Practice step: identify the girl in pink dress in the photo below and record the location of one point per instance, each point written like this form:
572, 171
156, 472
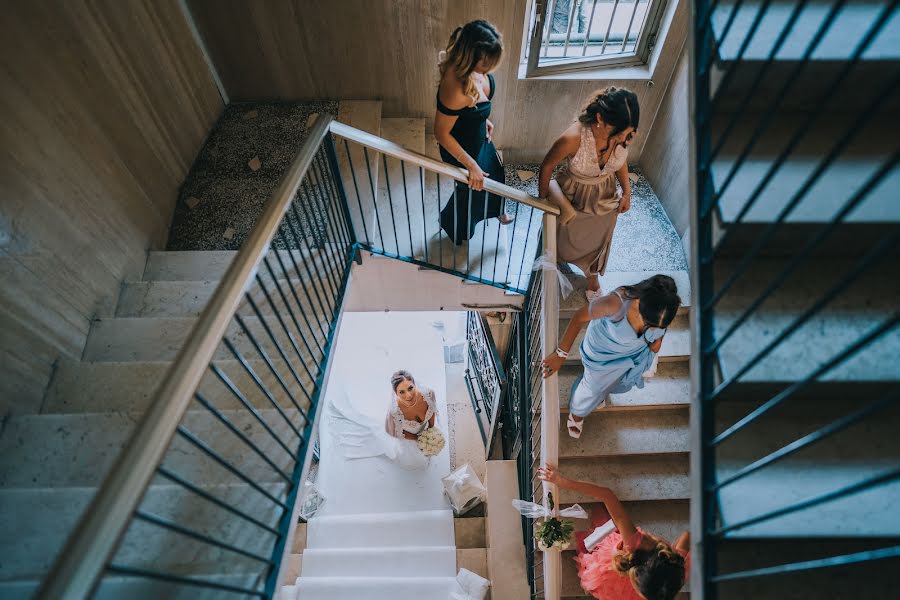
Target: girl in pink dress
628, 564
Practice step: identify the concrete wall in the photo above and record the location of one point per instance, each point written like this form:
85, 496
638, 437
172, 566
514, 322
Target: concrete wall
665, 161
388, 49
104, 107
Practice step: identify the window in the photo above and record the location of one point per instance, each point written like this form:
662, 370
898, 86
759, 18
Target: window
570, 35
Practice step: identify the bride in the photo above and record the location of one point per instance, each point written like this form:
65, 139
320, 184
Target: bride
411, 411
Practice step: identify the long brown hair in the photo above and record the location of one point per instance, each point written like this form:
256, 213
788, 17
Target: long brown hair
658, 574
468, 45
616, 106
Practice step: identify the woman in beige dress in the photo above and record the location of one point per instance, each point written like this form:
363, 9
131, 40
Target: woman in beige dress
596, 147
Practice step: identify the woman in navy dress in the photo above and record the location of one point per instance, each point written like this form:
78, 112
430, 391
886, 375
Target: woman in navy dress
462, 127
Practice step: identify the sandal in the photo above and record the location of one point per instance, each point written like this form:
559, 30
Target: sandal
574, 427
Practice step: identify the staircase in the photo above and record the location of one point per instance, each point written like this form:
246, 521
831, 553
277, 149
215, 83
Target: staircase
801, 128
53, 462
637, 444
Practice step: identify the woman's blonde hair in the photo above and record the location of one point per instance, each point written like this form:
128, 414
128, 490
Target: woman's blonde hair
658, 574
468, 45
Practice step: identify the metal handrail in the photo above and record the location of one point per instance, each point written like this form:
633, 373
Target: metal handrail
462, 175
94, 539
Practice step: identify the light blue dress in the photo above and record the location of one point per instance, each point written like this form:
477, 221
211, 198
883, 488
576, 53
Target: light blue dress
614, 357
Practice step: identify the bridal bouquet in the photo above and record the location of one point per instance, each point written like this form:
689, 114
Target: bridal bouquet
431, 441
551, 532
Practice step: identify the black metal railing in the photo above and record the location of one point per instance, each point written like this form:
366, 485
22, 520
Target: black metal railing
522, 418
485, 376
726, 44
395, 198
203, 497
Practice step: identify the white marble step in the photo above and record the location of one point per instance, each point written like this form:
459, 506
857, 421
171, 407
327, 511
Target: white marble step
189, 298
615, 279
78, 449
669, 388
424, 561
160, 339
628, 432
79, 387
382, 529
375, 588
211, 265
648, 477
676, 345
35, 522
855, 311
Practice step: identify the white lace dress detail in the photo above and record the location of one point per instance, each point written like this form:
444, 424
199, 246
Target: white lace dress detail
585, 164
402, 425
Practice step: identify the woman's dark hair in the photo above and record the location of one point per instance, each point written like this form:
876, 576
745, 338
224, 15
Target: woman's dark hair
658, 574
659, 299
616, 106
398, 377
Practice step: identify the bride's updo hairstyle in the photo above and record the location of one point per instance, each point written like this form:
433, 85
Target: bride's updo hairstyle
657, 574
398, 377
617, 107
468, 45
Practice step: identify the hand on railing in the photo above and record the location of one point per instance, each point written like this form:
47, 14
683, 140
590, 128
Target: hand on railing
552, 364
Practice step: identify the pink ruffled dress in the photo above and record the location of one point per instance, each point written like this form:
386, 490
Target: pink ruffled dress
596, 571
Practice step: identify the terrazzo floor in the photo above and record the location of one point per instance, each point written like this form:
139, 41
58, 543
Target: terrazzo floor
223, 196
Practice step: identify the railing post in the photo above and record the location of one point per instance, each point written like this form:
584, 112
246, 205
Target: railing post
550, 395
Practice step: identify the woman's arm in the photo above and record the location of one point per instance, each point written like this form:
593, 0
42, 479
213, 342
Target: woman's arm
443, 124
605, 495
598, 309
655, 346
622, 176
565, 146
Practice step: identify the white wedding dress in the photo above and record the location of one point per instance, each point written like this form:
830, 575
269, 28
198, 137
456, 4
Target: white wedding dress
361, 436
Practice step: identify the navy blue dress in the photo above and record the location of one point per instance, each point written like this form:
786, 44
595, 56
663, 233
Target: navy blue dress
470, 131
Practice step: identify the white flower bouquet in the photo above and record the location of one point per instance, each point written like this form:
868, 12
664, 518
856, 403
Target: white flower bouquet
551, 532
431, 441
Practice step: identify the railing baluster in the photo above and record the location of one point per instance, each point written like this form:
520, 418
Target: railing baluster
240, 434
525, 249
484, 226
202, 537
512, 241
843, 560
171, 476
412, 251
170, 578
290, 310
374, 196
341, 232
362, 213
316, 281
609, 27
310, 306
259, 383
237, 393
328, 264
469, 232
203, 447
455, 223
390, 197
569, 28
424, 219
440, 227
548, 25
630, 24
331, 221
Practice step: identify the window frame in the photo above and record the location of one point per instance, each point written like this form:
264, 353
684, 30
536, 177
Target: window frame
536, 23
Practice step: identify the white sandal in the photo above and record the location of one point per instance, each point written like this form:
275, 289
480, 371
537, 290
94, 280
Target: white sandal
574, 427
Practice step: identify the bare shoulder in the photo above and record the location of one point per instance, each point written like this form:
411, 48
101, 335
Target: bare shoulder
451, 92
604, 306
570, 140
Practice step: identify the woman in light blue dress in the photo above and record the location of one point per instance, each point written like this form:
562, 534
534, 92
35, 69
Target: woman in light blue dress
625, 331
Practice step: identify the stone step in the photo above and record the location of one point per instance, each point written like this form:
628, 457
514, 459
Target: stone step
676, 344
160, 339
640, 477
210, 265
628, 433
669, 388
873, 218
189, 298
36, 522
423, 561
859, 452
615, 279
470, 532
78, 449
360, 530
79, 387
375, 588
852, 314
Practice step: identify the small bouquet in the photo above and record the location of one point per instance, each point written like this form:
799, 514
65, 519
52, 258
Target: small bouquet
551, 532
431, 441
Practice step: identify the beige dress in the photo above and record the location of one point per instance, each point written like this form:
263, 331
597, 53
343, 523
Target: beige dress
585, 240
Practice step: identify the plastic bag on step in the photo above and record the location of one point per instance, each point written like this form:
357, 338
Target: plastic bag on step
546, 261
311, 500
463, 489
539, 511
